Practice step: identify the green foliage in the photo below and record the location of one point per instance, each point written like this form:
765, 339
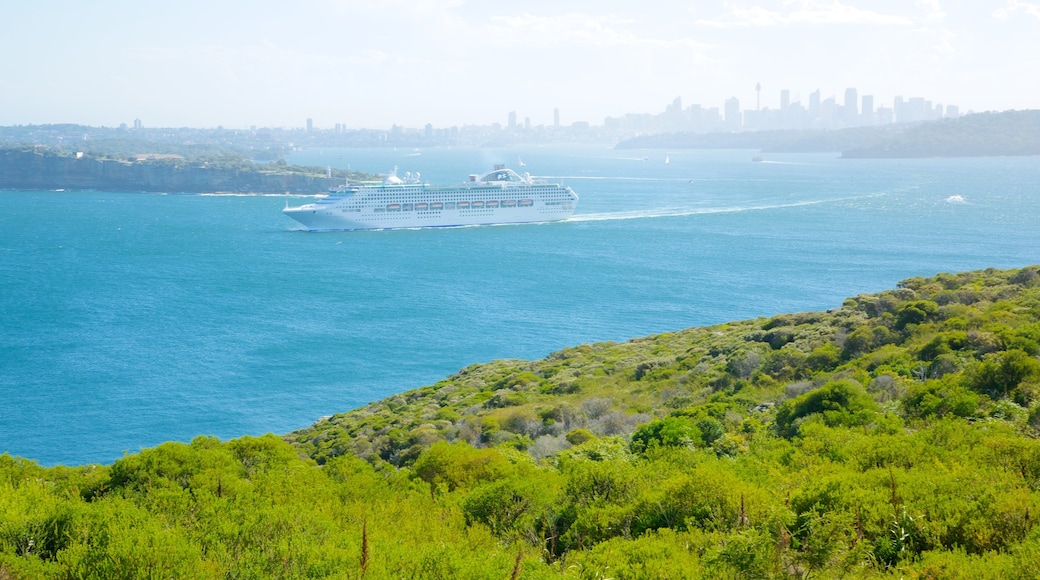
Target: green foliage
671, 431
1000, 374
841, 403
916, 312
885, 439
460, 465
511, 507
938, 398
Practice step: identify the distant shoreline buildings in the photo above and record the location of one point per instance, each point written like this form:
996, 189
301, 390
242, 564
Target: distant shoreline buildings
792, 114
820, 114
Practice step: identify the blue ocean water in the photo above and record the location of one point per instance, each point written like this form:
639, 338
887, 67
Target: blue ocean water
131, 319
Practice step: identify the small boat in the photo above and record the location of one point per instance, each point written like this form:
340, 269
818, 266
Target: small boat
476, 204
666, 161
508, 203
421, 206
436, 205
393, 207
757, 159
462, 205
525, 203
491, 204
520, 159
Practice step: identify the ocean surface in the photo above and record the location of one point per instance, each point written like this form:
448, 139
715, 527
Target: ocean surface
130, 319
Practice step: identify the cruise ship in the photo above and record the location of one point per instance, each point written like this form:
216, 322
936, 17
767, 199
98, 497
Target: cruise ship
500, 196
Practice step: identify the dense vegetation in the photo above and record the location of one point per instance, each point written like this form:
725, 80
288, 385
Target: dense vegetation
46, 168
200, 159
976, 135
893, 437
983, 134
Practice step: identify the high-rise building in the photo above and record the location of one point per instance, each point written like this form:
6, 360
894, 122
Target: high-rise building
867, 112
512, 119
733, 119
814, 104
851, 108
556, 117
310, 125
137, 123
828, 113
785, 99
918, 108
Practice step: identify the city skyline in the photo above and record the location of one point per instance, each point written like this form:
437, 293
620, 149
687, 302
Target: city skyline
372, 64
818, 113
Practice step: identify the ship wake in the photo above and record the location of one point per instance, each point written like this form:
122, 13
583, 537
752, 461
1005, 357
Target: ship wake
682, 212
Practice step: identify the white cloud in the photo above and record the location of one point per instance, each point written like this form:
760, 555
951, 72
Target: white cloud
1014, 6
575, 29
937, 45
934, 10
810, 12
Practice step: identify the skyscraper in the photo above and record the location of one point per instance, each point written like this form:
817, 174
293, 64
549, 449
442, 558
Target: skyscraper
512, 119
733, 119
850, 111
556, 117
785, 99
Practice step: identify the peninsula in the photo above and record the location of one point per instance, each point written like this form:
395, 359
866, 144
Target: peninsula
47, 168
975, 135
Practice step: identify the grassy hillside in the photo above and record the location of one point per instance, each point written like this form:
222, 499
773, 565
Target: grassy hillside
894, 437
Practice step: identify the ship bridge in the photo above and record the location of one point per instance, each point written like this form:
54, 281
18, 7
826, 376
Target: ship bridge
500, 175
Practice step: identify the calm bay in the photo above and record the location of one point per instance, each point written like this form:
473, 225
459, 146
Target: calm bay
129, 319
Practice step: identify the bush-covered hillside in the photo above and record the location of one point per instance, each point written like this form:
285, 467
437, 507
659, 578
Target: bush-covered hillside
893, 437
969, 339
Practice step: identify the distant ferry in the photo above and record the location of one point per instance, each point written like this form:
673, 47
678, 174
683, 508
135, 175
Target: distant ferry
500, 196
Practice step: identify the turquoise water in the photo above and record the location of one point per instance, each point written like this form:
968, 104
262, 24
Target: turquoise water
133, 319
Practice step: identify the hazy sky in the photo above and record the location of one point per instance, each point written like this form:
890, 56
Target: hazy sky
372, 63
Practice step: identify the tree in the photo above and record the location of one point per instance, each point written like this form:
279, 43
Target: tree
841, 403
670, 432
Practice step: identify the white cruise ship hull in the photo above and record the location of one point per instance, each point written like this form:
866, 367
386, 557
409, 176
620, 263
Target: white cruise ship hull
321, 219
485, 202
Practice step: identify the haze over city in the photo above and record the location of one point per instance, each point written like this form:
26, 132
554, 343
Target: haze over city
372, 64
